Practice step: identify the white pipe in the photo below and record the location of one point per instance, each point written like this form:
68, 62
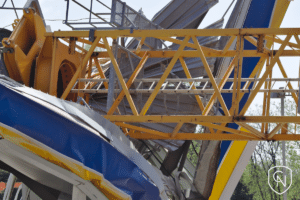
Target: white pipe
9, 186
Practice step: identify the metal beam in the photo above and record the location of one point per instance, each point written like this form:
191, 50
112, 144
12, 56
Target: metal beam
178, 32
128, 84
164, 76
264, 77
195, 50
210, 75
207, 53
209, 136
195, 119
79, 69
275, 130
120, 77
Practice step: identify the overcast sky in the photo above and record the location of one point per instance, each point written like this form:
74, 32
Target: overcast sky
56, 10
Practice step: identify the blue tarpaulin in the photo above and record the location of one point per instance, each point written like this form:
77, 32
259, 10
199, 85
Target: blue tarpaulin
74, 141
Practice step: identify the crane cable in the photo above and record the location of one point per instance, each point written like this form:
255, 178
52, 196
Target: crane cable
12, 2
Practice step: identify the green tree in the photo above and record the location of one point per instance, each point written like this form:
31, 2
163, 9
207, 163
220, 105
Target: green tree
267, 154
242, 192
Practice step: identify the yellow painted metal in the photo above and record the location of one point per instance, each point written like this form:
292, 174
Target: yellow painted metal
188, 75
235, 151
210, 75
138, 49
55, 55
265, 101
76, 70
228, 44
27, 40
101, 73
176, 41
89, 74
221, 85
145, 130
207, 52
264, 108
253, 41
164, 76
90, 43
77, 46
272, 39
53, 62
176, 129
231, 130
298, 40
177, 32
259, 84
275, 130
240, 68
16, 21
208, 136
256, 71
268, 100
98, 180
80, 69
129, 83
233, 155
252, 130
295, 96
284, 129
120, 77
191, 136
279, 13
236, 73
196, 119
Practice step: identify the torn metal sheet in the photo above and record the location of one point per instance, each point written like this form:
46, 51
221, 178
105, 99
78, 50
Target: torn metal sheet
195, 65
236, 20
179, 14
69, 126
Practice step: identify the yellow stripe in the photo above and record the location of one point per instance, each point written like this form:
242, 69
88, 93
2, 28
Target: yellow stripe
279, 13
109, 190
237, 147
228, 165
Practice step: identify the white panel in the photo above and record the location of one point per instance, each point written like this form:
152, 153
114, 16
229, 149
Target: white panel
18, 191
238, 170
11, 154
9, 186
78, 194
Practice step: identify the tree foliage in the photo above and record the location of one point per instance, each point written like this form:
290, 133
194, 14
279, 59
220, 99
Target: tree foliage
254, 181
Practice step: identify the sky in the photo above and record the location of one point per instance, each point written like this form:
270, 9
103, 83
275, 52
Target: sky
56, 10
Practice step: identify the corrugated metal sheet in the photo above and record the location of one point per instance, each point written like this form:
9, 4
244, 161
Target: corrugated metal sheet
179, 14
236, 20
195, 65
186, 12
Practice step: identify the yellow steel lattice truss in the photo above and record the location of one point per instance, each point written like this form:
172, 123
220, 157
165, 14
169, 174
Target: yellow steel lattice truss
187, 38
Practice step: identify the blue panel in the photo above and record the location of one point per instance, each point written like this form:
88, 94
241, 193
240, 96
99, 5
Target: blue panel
74, 141
259, 15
